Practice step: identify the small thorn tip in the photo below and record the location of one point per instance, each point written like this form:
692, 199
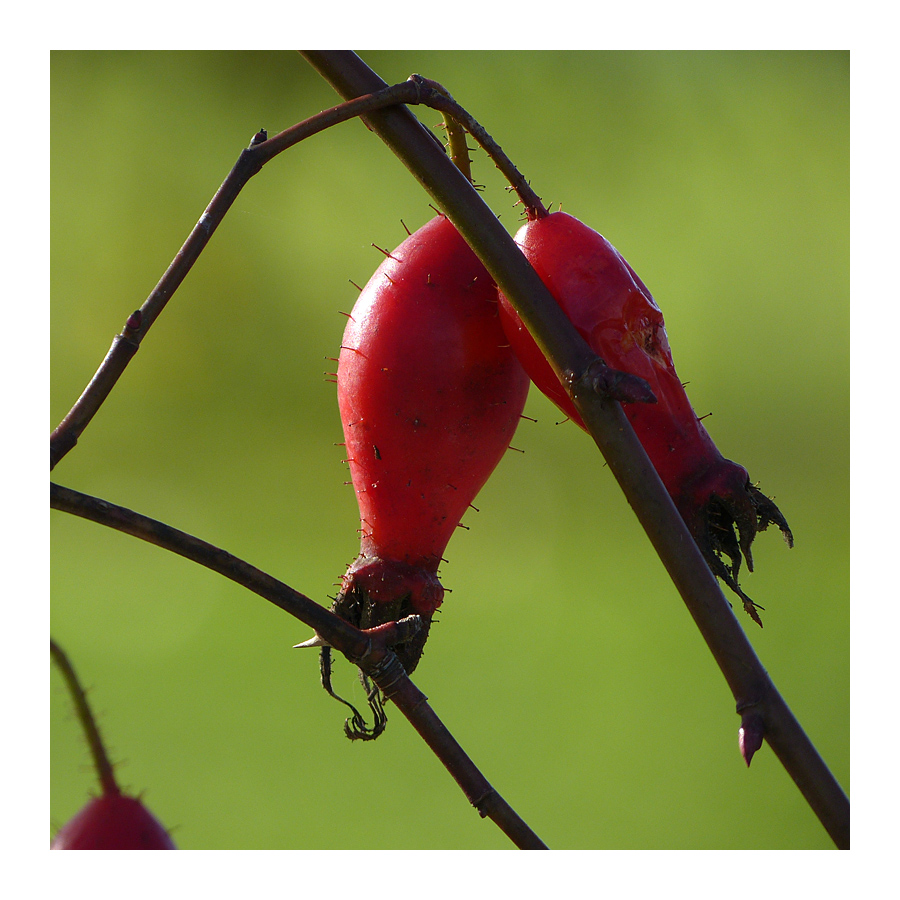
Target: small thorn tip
314, 641
750, 736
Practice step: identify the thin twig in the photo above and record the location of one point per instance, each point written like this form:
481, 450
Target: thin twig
370, 650
571, 358
457, 143
86, 718
251, 161
437, 97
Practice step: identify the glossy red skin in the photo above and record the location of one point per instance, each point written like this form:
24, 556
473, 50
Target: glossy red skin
113, 822
430, 394
618, 317
615, 313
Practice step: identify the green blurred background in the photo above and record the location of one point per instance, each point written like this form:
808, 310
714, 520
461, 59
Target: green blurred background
564, 662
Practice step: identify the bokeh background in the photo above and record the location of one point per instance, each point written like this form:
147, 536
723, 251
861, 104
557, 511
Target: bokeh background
564, 661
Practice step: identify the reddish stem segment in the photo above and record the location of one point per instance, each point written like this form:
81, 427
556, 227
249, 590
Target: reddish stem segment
83, 710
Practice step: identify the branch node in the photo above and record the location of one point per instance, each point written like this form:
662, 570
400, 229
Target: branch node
482, 802
388, 673
599, 378
421, 86
133, 324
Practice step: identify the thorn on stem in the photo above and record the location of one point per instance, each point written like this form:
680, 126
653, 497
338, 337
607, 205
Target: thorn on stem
315, 641
750, 735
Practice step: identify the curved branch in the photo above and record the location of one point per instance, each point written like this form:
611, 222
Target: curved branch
439, 98
370, 650
261, 150
570, 356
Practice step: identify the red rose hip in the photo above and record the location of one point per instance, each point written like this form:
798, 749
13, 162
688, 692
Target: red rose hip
430, 394
615, 313
113, 821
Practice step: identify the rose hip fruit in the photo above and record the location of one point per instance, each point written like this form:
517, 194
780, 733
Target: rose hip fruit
113, 821
615, 313
430, 394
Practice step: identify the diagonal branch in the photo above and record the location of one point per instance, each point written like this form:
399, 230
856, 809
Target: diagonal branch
370, 650
758, 700
126, 344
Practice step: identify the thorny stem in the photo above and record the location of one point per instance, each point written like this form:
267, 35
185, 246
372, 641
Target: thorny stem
86, 718
438, 98
457, 146
370, 650
565, 349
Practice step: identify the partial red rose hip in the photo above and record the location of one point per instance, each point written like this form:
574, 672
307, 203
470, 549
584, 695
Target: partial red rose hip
618, 317
113, 821
430, 394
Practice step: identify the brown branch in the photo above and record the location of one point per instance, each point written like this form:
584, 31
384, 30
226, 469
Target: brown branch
126, 344
370, 650
251, 161
571, 357
757, 698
